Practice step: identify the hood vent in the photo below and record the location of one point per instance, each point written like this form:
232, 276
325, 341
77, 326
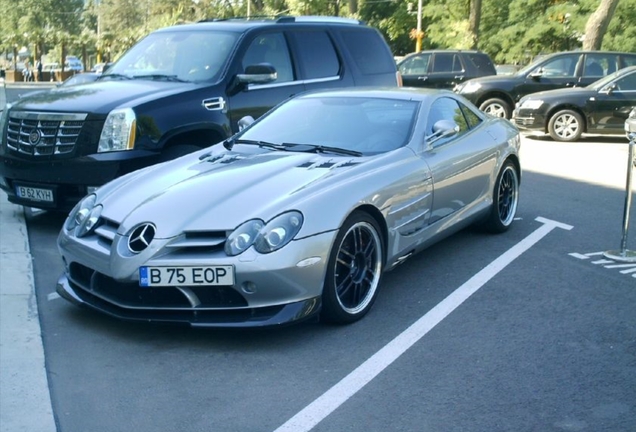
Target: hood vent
327, 164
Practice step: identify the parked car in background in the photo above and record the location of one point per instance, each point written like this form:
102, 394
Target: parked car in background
497, 95
444, 68
100, 67
299, 214
177, 90
74, 64
565, 114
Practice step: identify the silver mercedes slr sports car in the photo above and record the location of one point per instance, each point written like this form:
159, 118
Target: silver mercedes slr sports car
296, 216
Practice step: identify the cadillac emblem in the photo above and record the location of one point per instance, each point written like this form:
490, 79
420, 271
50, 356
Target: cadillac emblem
34, 137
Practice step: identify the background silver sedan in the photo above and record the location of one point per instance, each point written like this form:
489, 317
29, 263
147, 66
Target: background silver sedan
297, 215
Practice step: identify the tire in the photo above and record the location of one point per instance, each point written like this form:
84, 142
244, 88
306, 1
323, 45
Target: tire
354, 270
505, 200
566, 126
496, 107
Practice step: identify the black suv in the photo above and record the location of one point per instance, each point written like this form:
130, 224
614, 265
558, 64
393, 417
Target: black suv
178, 89
444, 68
498, 95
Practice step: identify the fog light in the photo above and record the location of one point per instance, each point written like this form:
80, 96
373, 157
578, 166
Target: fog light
248, 287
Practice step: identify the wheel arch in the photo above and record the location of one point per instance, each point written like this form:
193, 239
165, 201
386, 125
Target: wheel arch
517, 164
499, 95
375, 213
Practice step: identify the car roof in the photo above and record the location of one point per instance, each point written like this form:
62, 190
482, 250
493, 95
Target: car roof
240, 25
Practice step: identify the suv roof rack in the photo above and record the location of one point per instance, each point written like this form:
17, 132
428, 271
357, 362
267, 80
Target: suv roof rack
319, 18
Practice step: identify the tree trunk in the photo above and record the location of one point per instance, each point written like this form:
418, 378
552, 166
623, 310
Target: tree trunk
473, 21
597, 25
353, 6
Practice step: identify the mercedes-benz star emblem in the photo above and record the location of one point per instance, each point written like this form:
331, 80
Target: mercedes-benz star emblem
141, 237
34, 137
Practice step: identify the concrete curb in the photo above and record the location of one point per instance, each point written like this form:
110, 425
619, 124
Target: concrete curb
25, 401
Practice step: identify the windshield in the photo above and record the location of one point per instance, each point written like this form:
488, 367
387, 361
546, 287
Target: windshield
354, 124
179, 55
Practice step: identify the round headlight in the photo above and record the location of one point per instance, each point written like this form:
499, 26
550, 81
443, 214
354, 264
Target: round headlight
89, 222
80, 212
243, 237
278, 232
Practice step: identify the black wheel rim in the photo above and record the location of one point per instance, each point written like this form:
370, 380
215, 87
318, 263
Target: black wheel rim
357, 268
508, 195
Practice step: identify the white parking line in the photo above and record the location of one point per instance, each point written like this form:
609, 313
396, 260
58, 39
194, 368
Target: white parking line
329, 401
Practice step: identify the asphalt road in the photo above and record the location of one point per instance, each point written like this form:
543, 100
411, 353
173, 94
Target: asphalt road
546, 343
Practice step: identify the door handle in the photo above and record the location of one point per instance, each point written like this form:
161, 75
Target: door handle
459, 77
422, 78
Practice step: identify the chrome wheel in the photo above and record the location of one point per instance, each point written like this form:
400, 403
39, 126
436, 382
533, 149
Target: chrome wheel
496, 108
355, 270
505, 200
566, 125
508, 195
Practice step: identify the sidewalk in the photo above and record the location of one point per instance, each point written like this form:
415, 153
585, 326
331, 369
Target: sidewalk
25, 402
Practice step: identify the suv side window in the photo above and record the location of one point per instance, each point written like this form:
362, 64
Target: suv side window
628, 60
317, 55
271, 48
447, 62
416, 65
562, 66
482, 62
363, 46
599, 65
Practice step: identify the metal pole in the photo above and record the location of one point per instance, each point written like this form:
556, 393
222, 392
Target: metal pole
623, 254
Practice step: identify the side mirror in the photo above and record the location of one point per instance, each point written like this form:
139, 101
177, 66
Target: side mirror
261, 73
608, 89
245, 122
536, 74
442, 129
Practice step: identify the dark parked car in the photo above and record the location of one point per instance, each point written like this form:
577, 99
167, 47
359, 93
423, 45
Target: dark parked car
444, 68
565, 114
497, 95
177, 90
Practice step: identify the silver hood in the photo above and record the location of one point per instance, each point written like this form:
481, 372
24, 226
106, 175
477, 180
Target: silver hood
219, 189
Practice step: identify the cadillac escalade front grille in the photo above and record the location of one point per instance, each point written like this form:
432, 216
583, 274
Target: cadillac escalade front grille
43, 134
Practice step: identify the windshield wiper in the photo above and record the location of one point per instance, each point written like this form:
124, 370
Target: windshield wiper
320, 149
264, 144
114, 76
162, 77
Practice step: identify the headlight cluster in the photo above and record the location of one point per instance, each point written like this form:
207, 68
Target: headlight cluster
118, 132
469, 87
84, 216
265, 237
531, 103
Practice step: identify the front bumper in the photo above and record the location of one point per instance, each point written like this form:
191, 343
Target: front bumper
66, 179
269, 289
529, 120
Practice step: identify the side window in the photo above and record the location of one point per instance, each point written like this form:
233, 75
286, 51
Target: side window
271, 48
599, 65
445, 108
483, 63
317, 55
416, 65
629, 60
627, 83
472, 119
447, 62
368, 50
563, 66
